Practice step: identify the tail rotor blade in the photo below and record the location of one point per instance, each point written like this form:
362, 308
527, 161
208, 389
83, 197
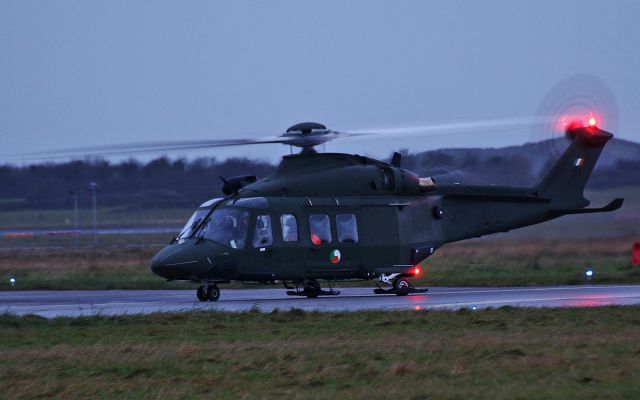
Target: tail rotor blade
575, 99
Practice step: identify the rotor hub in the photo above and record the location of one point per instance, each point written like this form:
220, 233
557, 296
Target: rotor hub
306, 128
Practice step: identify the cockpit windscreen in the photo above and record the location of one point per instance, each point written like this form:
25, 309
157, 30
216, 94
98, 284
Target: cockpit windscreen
191, 224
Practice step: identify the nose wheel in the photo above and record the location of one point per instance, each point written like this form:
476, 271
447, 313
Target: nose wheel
208, 292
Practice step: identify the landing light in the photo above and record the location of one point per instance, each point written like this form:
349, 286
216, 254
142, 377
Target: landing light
589, 273
12, 281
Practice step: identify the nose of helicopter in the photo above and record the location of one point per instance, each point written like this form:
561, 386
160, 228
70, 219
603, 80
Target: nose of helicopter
164, 263
186, 261
157, 267
158, 264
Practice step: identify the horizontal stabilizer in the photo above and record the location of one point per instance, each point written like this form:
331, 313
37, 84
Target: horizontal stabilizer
515, 198
612, 206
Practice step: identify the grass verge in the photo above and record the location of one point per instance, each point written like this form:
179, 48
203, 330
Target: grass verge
497, 354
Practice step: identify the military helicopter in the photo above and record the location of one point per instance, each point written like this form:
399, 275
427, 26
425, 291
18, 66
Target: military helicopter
337, 217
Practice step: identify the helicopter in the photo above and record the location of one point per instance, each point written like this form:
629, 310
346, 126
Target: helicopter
338, 217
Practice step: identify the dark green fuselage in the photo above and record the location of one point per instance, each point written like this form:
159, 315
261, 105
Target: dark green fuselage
401, 220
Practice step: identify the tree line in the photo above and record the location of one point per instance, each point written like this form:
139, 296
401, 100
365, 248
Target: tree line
160, 183
165, 183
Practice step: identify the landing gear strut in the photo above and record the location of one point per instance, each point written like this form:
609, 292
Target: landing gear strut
400, 285
312, 289
208, 292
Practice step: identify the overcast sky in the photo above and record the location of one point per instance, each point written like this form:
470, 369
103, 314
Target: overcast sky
76, 73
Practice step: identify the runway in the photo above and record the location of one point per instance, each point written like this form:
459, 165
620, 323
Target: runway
51, 304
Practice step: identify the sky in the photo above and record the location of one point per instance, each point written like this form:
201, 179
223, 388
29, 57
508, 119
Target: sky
79, 73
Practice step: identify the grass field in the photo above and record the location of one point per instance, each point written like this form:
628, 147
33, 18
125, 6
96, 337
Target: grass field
493, 354
84, 268
484, 262
498, 262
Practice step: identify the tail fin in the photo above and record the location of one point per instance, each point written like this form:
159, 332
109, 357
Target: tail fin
565, 183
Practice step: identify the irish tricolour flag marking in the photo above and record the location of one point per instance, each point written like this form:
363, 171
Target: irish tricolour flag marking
335, 256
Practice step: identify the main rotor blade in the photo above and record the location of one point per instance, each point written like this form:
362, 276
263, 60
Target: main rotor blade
454, 128
148, 147
306, 140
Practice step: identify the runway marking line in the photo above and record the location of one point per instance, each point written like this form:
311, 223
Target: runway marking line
513, 301
525, 288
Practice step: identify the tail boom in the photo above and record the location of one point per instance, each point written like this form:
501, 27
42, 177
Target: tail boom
480, 210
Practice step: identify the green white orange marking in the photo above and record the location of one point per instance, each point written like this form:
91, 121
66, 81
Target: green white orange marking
335, 256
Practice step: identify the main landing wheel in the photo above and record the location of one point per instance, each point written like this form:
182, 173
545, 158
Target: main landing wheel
213, 293
201, 293
312, 289
402, 286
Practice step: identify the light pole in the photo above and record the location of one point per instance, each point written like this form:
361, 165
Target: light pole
93, 187
75, 194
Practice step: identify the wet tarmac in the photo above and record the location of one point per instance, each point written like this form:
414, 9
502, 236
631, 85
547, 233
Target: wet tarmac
52, 304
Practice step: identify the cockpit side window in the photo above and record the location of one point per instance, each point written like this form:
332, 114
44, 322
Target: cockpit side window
263, 235
347, 228
320, 228
227, 227
289, 228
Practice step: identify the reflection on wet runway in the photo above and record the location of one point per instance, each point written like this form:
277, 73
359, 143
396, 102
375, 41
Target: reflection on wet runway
116, 302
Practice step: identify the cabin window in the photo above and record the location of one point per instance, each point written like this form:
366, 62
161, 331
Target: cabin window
319, 228
347, 228
263, 236
289, 227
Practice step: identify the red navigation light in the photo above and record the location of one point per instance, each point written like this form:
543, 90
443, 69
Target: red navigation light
417, 271
572, 122
569, 123
573, 125
635, 255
